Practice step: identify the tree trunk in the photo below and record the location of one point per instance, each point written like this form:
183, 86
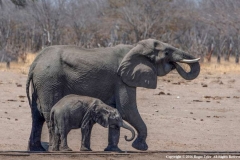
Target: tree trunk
237, 58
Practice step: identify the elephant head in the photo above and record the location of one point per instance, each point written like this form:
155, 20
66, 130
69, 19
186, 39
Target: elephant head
108, 116
151, 58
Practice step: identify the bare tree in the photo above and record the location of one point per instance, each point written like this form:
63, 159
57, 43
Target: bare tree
204, 28
145, 17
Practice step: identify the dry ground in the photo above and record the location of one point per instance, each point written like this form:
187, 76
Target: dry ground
180, 115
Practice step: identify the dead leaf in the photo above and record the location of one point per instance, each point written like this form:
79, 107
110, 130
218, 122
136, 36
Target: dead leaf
20, 96
177, 83
207, 96
197, 101
12, 100
18, 85
160, 93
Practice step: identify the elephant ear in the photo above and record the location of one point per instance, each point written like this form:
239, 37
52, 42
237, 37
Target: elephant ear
86, 120
100, 115
89, 115
137, 70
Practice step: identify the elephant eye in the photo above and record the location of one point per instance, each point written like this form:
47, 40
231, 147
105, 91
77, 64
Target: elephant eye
105, 112
151, 57
168, 51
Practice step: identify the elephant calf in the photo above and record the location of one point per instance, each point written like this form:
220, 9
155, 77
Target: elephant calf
74, 111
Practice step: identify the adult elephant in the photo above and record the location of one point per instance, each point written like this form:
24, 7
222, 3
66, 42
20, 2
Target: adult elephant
110, 74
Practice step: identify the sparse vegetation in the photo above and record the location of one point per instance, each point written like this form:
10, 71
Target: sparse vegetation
203, 28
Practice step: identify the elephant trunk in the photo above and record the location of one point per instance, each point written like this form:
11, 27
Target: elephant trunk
192, 62
124, 125
195, 69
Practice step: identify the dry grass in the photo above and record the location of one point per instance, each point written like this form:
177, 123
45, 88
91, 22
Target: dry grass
20, 66
223, 67
206, 67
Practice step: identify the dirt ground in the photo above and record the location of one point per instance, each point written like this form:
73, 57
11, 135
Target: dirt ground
199, 115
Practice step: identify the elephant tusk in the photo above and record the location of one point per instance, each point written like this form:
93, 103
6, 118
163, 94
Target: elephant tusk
189, 60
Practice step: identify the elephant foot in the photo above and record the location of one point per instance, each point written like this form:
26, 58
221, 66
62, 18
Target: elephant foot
53, 148
140, 144
50, 148
35, 147
85, 149
112, 148
65, 149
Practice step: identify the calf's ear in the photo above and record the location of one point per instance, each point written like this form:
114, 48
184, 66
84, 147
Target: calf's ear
86, 120
103, 118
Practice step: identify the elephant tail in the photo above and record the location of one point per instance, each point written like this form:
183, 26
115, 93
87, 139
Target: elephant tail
53, 130
29, 80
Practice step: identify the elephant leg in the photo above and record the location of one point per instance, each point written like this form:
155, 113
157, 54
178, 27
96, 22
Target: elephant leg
51, 136
34, 143
63, 138
127, 107
48, 97
47, 119
86, 136
136, 121
113, 139
55, 142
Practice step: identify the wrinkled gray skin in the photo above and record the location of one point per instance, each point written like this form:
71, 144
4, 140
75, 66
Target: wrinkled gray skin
109, 74
73, 112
